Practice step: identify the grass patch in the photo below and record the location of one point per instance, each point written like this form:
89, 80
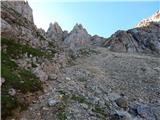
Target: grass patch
15, 49
60, 111
15, 77
8, 103
87, 51
80, 99
61, 116
100, 111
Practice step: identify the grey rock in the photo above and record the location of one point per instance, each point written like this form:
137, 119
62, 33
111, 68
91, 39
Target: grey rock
122, 102
22, 8
52, 102
55, 32
52, 77
97, 40
146, 112
142, 39
12, 92
77, 37
67, 78
121, 115
2, 80
40, 73
65, 34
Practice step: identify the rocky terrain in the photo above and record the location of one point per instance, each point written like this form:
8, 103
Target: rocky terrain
144, 38
61, 75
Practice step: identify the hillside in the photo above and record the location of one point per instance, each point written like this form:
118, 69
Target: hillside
61, 75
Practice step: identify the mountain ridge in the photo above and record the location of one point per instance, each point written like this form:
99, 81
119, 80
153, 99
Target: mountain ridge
76, 76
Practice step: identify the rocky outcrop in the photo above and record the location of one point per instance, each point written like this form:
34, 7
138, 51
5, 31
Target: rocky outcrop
78, 37
97, 40
20, 7
143, 39
154, 18
55, 32
17, 23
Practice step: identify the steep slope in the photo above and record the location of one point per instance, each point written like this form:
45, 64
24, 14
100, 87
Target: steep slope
17, 23
24, 50
41, 75
102, 86
145, 38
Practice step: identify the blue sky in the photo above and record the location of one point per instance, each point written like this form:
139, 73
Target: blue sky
101, 18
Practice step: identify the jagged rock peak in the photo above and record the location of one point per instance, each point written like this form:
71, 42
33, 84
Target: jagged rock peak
79, 28
54, 28
154, 18
55, 31
77, 37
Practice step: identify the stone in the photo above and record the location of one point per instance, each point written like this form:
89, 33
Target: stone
40, 73
17, 23
52, 77
85, 106
2, 81
12, 92
52, 102
145, 112
122, 102
67, 78
121, 115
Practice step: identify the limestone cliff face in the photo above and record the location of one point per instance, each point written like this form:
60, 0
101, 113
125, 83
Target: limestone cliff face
77, 37
21, 7
145, 38
17, 23
55, 32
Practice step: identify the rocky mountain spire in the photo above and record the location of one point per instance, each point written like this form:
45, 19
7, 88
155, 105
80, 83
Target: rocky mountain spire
77, 37
55, 32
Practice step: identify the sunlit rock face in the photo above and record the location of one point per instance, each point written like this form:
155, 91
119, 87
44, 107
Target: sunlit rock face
145, 38
77, 37
21, 7
154, 18
55, 32
97, 40
17, 23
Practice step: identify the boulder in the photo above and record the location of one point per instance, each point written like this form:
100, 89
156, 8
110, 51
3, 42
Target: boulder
52, 77
40, 73
122, 102
146, 112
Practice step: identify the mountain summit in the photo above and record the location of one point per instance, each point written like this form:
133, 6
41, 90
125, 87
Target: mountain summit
77, 37
55, 32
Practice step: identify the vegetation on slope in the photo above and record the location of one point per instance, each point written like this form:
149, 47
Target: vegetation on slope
15, 77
